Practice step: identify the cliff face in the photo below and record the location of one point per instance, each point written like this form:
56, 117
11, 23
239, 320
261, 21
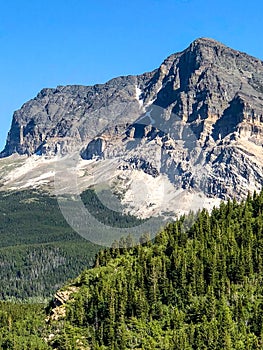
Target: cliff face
198, 119
201, 124
60, 120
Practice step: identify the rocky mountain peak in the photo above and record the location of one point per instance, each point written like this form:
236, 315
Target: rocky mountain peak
196, 119
206, 43
207, 70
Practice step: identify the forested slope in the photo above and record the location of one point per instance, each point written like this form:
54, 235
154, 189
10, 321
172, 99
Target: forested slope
22, 326
198, 286
39, 251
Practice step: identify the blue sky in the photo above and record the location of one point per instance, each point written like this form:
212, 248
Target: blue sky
56, 42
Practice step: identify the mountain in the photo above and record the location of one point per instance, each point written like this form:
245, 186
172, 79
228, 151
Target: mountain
193, 127
160, 144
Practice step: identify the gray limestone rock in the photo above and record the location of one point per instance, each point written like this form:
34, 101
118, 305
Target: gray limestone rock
198, 118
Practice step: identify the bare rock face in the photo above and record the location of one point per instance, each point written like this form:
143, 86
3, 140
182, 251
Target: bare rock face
60, 120
198, 118
203, 115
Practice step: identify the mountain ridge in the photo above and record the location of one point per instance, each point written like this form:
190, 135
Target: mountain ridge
195, 122
199, 44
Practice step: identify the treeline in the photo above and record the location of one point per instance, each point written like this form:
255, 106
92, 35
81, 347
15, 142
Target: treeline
199, 285
113, 216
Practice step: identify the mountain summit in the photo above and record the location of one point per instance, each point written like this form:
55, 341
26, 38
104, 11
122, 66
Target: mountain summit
196, 120
207, 73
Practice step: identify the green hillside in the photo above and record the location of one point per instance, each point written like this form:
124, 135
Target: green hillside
39, 251
197, 286
193, 288
22, 326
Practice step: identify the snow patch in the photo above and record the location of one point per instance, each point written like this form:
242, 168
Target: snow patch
138, 93
147, 114
30, 164
40, 180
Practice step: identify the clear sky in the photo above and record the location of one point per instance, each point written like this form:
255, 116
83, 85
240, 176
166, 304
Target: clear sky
56, 42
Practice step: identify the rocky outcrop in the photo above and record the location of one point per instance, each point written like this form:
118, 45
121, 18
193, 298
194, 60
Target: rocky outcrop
59, 303
94, 149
